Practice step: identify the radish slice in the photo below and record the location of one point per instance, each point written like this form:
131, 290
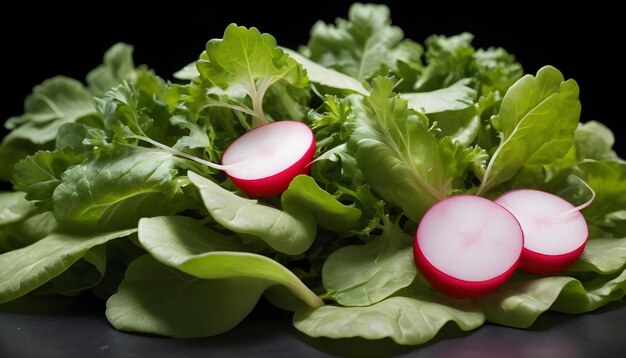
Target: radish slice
263, 161
467, 246
555, 232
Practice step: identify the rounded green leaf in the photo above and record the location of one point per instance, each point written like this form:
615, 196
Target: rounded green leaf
360, 275
190, 247
154, 298
290, 232
406, 320
330, 214
30, 267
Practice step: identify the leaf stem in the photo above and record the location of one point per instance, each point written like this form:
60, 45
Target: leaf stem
256, 95
178, 153
571, 211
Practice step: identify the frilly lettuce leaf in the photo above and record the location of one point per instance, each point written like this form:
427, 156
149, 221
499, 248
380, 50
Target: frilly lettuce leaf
251, 62
363, 45
399, 156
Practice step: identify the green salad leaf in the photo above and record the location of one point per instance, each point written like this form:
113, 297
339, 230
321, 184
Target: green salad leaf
251, 62
329, 213
289, 232
326, 76
603, 256
362, 45
15, 207
361, 275
82, 275
30, 267
400, 157
117, 189
518, 304
408, 319
158, 299
117, 66
593, 140
537, 119
55, 102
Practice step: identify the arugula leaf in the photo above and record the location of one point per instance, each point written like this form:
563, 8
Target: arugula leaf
32, 266
361, 275
133, 110
250, 61
362, 44
4, 244
411, 319
398, 155
291, 232
537, 118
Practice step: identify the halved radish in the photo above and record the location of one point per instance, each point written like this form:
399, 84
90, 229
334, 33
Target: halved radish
263, 161
467, 246
555, 231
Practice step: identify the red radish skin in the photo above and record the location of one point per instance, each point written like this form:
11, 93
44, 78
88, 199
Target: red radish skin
263, 161
553, 241
466, 246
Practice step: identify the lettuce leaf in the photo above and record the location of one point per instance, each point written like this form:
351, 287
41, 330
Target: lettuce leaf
363, 45
400, 157
537, 119
251, 62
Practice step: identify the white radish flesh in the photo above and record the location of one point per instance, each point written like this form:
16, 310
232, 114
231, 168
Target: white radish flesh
263, 161
467, 246
555, 232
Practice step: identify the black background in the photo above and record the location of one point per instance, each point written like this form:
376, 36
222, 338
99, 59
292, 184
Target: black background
581, 40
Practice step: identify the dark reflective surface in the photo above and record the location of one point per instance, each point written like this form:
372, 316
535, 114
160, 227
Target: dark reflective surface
78, 328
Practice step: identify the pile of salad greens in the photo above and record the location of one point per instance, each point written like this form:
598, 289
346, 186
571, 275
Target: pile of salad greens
109, 197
